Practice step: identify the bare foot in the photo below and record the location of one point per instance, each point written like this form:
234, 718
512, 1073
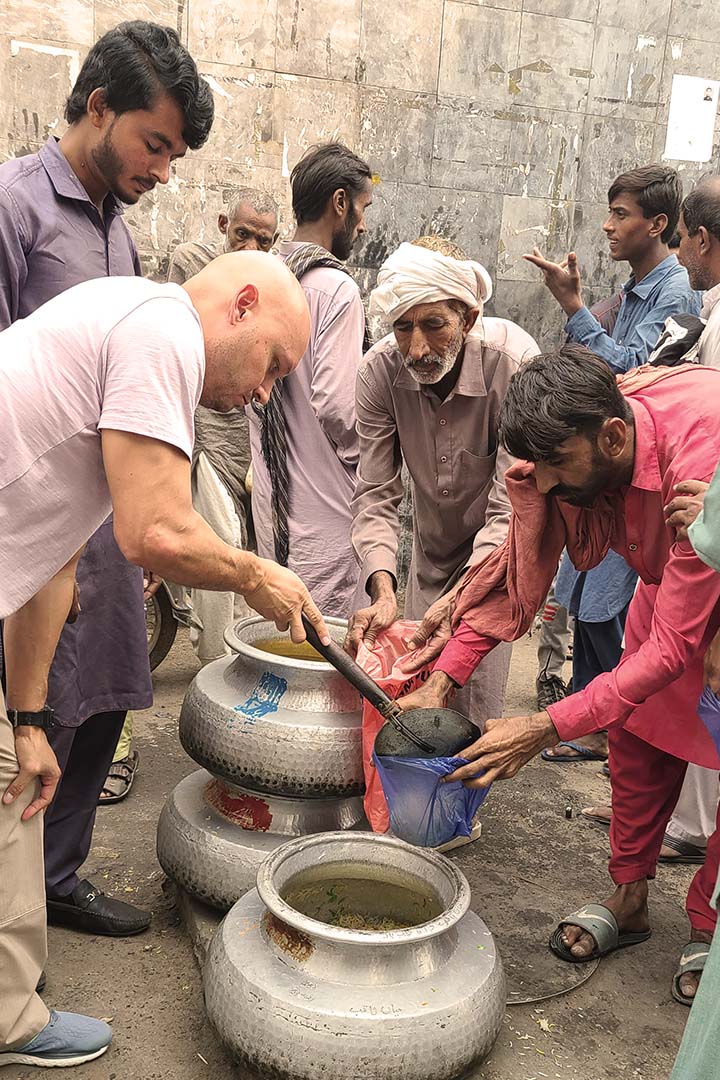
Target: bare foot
691, 980
629, 906
597, 742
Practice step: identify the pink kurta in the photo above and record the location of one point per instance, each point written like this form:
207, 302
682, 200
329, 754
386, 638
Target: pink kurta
654, 690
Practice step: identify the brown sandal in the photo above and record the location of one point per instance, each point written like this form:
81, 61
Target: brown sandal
120, 779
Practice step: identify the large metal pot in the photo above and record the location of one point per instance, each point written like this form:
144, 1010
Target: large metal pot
299, 999
212, 837
275, 724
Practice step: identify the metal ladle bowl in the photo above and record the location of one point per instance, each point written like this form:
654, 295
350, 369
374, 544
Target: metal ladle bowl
445, 730
418, 733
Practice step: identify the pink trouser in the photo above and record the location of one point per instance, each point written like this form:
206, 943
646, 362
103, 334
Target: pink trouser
646, 783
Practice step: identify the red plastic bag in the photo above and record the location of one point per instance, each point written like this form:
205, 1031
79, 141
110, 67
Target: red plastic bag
382, 665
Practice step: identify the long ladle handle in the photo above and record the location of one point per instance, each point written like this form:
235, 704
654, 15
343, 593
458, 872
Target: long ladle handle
352, 671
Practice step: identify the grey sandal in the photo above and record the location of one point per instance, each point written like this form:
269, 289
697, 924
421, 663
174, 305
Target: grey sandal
120, 779
598, 921
692, 958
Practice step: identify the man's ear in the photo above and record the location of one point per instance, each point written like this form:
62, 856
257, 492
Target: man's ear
97, 108
243, 301
471, 317
340, 202
659, 224
704, 240
613, 436
223, 223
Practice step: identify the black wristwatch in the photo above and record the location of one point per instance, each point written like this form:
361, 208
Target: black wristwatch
41, 719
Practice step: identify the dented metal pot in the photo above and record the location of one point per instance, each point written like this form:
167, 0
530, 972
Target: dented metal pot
273, 723
297, 998
212, 836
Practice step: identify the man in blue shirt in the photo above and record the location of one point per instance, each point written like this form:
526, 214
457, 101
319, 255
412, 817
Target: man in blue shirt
644, 208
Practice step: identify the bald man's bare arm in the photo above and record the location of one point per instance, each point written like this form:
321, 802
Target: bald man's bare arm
156, 527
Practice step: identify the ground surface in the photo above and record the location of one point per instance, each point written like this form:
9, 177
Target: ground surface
530, 867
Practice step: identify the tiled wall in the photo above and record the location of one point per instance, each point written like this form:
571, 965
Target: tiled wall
497, 122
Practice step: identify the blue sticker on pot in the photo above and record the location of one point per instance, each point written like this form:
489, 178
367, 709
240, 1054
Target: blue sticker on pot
265, 698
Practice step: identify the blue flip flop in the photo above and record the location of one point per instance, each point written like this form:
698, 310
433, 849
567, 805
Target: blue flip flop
584, 753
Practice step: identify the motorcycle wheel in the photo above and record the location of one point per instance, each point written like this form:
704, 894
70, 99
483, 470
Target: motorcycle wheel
161, 627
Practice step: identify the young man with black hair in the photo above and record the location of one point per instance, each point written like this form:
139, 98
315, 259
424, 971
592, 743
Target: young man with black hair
644, 207
137, 105
304, 444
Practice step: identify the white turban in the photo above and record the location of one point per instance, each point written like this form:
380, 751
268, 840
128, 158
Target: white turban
415, 275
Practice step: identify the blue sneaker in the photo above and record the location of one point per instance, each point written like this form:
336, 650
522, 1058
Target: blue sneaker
67, 1039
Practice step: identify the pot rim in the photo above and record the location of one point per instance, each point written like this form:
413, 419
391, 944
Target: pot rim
245, 648
275, 904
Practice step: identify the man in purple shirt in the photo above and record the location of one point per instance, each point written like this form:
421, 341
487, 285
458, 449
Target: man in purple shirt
137, 105
301, 505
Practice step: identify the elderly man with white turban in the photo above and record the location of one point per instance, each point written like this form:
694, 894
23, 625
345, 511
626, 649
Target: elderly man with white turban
429, 394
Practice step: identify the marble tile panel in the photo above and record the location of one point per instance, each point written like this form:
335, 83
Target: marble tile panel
400, 46
318, 37
309, 111
610, 146
479, 50
232, 33
627, 73
545, 148
68, 21
554, 62
645, 16
396, 133
471, 146
528, 223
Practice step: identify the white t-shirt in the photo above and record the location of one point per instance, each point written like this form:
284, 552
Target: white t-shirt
120, 353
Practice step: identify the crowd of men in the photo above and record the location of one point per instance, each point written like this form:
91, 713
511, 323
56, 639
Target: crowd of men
235, 431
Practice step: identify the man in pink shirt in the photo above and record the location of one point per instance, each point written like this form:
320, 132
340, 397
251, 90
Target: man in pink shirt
99, 388
621, 453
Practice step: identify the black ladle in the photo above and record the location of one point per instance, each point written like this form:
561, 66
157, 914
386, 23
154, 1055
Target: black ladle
434, 732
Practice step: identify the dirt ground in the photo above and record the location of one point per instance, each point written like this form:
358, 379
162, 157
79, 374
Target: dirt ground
530, 867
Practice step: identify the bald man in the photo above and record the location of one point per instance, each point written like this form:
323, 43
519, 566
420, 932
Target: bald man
99, 387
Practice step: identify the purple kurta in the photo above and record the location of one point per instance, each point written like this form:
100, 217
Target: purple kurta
51, 238
322, 444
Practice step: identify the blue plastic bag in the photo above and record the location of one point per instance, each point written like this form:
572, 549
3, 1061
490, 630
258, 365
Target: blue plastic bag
422, 810
709, 713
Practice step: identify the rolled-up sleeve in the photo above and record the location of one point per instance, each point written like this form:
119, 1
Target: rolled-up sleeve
584, 328
463, 652
685, 601
379, 488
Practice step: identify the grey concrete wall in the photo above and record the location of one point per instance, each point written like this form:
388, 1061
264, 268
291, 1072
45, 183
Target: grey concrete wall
499, 123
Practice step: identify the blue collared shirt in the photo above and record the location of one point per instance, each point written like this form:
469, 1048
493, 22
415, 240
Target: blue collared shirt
645, 306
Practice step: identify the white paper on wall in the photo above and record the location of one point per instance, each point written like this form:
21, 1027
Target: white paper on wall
691, 123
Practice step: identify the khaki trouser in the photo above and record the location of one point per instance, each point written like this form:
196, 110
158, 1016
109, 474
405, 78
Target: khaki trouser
23, 921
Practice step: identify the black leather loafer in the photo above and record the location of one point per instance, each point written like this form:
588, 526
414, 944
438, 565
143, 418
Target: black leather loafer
88, 908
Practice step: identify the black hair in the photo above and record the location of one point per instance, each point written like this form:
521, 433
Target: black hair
702, 207
657, 189
321, 172
555, 396
134, 63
